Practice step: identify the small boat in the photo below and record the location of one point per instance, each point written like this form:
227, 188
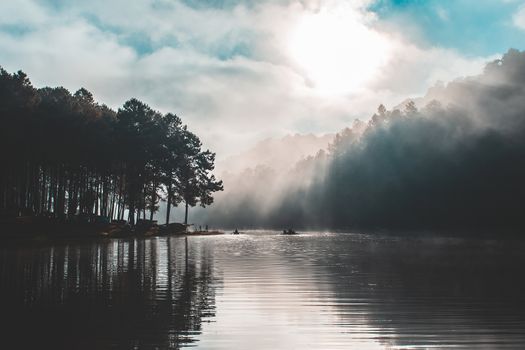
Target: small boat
236, 232
289, 232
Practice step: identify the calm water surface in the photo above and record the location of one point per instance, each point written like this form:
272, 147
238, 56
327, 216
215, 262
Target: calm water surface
263, 291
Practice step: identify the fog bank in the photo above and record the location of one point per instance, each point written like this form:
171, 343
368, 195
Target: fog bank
454, 158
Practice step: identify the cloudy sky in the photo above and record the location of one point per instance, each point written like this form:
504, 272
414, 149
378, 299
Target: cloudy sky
239, 71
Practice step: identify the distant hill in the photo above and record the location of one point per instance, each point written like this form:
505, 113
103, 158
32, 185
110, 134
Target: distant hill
276, 153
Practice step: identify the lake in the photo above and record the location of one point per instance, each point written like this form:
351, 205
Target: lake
262, 290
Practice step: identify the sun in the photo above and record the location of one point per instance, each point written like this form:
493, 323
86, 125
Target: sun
336, 51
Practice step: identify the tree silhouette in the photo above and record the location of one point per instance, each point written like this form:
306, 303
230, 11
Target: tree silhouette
65, 156
195, 181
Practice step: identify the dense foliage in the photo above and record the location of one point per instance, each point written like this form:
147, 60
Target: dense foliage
65, 155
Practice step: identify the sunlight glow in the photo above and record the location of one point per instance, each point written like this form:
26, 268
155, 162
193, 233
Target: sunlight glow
336, 50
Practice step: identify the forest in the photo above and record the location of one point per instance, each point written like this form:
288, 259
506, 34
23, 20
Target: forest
452, 159
65, 156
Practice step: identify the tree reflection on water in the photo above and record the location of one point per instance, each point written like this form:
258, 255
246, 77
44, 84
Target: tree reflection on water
125, 294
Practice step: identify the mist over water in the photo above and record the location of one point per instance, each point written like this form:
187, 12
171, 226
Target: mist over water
264, 291
453, 159
262, 174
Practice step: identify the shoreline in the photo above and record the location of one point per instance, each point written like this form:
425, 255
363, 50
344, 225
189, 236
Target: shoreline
49, 230
42, 229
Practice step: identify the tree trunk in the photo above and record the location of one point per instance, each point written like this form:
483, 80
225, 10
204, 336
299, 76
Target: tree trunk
168, 208
153, 200
131, 213
43, 190
186, 214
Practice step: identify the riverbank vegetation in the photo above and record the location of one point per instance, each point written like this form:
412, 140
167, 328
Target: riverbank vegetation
65, 156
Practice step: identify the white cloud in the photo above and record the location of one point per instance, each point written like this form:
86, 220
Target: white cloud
519, 17
22, 13
230, 102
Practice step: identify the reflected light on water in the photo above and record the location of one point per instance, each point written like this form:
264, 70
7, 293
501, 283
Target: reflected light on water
264, 291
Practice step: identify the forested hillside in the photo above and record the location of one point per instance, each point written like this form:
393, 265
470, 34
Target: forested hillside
457, 161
